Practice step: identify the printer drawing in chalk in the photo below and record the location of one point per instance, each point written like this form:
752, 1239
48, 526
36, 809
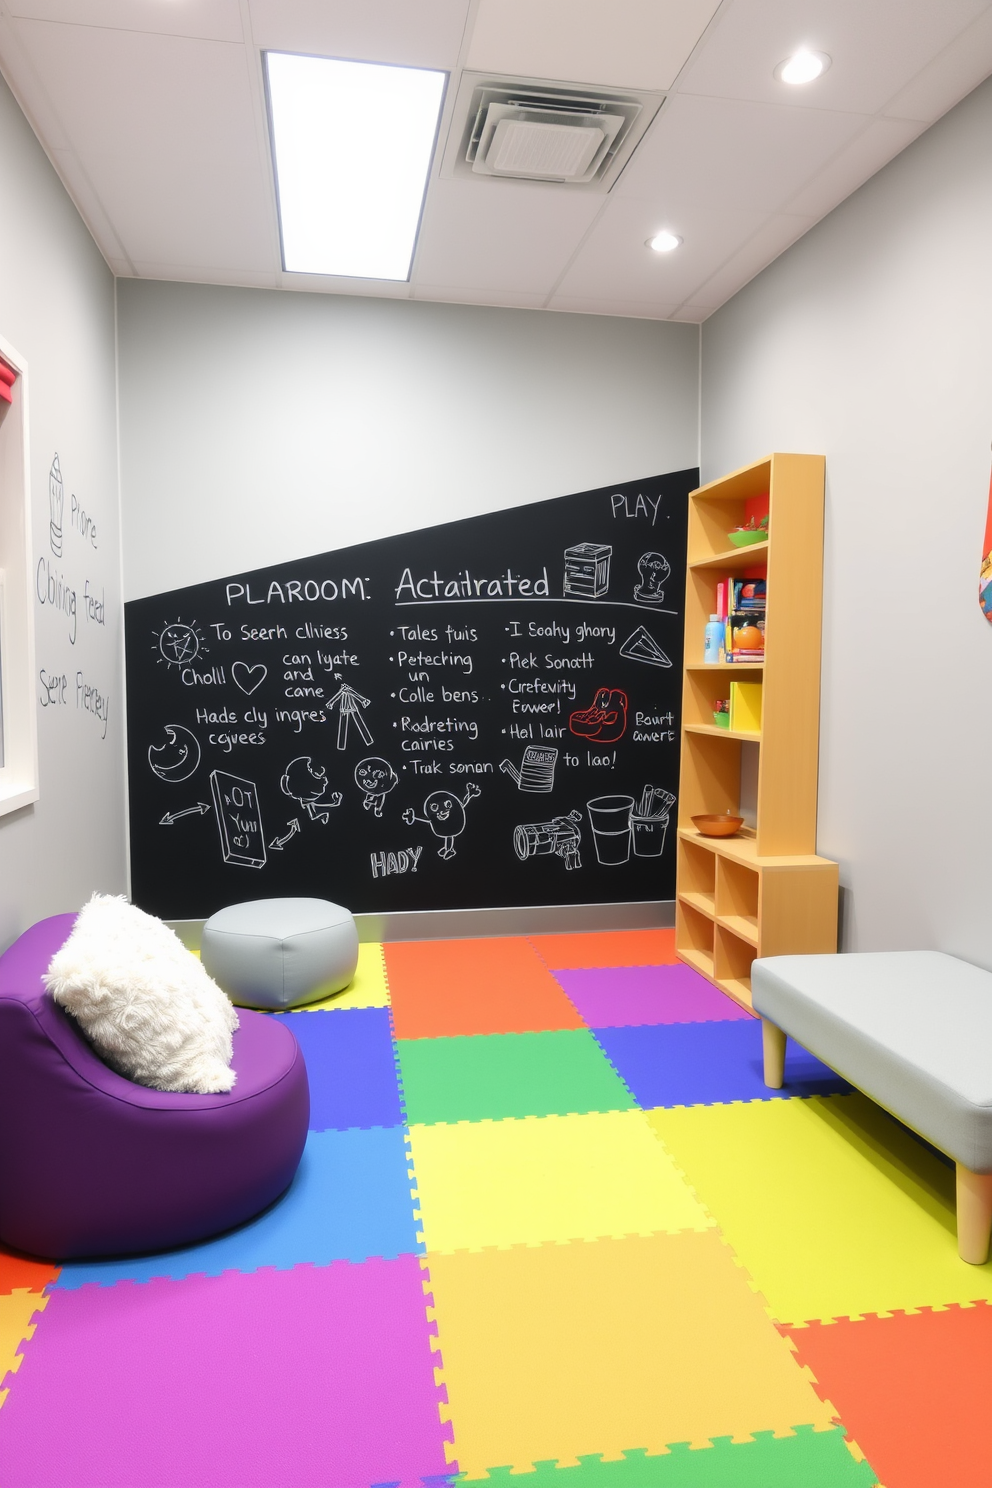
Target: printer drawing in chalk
587, 570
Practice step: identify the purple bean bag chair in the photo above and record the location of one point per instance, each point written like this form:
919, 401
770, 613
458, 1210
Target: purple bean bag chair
92, 1164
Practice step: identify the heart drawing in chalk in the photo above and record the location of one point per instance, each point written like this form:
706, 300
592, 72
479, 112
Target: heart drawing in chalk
249, 678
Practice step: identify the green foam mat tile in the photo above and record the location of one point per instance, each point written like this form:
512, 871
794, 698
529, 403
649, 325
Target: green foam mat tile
809, 1459
492, 1076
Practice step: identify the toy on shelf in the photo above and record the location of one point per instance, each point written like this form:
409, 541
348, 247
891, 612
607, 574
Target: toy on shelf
752, 531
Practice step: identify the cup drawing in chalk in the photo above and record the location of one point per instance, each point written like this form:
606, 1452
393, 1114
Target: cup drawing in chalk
609, 817
559, 837
649, 821
56, 502
537, 769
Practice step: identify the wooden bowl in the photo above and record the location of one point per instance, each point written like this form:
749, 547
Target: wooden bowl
717, 826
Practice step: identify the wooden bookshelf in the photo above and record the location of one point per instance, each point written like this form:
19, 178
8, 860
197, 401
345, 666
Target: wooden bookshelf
764, 892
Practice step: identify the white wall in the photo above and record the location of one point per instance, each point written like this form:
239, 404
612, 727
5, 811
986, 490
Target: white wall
871, 341
57, 309
258, 427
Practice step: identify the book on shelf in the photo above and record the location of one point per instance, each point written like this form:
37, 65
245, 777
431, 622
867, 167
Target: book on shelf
745, 707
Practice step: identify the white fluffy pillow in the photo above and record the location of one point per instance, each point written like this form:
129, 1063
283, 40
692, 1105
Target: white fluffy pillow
143, 1000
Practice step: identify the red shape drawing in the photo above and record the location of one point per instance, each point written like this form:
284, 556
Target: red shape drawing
605, 720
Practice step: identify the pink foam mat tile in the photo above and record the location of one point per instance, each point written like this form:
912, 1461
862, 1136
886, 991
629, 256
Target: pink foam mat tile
625, 996
318, 1377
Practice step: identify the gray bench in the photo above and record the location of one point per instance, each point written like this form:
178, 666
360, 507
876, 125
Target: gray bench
912, 1030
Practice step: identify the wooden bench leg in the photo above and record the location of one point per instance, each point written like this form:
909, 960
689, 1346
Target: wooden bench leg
974, 1215
773, 1047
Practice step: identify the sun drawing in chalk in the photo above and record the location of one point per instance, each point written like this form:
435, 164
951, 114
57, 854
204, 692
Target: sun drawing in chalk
179, 643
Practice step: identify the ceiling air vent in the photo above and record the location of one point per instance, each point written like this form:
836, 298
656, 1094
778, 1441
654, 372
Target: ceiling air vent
526, 130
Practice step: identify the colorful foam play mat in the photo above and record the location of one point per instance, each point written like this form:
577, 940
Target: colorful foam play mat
550, 1227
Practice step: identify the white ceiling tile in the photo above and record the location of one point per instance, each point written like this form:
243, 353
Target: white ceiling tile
876, 49
614, 263
426, 34
439, 294
183, 274
693, 314
500, 235
748, 156
627, 44
959, 68
874, 147
165, 129
629, 309
213, 20
339, 284
771, 239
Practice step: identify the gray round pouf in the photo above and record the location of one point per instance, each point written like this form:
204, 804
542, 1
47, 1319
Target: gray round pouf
280, 953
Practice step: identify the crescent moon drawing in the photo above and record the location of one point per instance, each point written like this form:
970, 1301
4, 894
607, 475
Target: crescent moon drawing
178, 757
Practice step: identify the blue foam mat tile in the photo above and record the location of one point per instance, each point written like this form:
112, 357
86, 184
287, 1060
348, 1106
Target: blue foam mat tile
349, 1200
707, 1064
351, 1064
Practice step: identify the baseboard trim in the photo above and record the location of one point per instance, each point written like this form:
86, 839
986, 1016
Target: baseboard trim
471, 924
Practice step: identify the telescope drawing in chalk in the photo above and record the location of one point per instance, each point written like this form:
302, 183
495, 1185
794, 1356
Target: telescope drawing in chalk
559, 837
537, 769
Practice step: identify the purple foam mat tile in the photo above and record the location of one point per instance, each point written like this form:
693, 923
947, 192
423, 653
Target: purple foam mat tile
626, 996
319, 1377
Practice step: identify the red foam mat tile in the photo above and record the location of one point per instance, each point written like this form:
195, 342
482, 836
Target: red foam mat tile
913, 1390
446, 988
606, 948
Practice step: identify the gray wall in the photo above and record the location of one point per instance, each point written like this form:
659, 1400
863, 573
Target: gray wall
869, 341
57, 309
259, 426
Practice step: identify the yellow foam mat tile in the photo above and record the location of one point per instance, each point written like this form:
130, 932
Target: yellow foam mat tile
16, 1311
369, 989
833, 1207
563, 1351
547, 1178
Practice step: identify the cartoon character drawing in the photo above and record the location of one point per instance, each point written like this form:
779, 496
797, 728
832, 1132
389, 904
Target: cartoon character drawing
376, 777
444, 813
605, 720
306, 783
654, 570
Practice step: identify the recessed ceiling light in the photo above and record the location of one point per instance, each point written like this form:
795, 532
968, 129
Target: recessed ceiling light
353, 143
803, 66
663, 242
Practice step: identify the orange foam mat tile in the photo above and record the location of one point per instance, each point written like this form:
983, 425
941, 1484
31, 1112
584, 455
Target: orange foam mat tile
446, 988
560, 1351
606, 948
914, 1391
21, 1273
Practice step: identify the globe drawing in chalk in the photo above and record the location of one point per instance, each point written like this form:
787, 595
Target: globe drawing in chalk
178, 757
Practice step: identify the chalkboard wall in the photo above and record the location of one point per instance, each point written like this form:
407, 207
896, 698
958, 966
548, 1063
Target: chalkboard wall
484, 713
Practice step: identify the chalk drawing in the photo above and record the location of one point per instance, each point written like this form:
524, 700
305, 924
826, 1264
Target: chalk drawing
537, 769
605, 720
444, 813
654, 570
609, 817
404, 860
179, 757
306, 782
239, 820
559, 837
179, 643
200, 809
56, 503
376, 777
641, 646
349, 703
587, 570
249, 678
278, 843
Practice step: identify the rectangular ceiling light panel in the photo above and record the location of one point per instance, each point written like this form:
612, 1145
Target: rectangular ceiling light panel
353, 143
